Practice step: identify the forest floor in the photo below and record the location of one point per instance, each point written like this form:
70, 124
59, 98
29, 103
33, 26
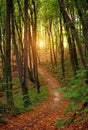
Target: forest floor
45, 115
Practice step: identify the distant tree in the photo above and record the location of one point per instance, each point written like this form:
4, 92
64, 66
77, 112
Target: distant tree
62, 47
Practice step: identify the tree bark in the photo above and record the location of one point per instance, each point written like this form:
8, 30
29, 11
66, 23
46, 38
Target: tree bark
35, 66
71, 26
84, 20
22, 70
8, 76
26, 97
62, 48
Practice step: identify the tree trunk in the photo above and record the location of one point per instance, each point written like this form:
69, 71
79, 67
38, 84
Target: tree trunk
35, 66
26, 98
8, 77
84, 20
20, 66
62, 49
71, 26
50, 48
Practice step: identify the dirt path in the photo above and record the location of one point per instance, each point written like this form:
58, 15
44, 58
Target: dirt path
44, 116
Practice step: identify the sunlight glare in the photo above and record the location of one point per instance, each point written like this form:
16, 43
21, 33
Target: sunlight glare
41, 44
65, 45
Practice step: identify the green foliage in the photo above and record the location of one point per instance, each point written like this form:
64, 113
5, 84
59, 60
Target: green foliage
48, 11
61, 89
72, 94
77, 91
72, 106
2, 121
35, 99
18, 101
60, 123
2, 109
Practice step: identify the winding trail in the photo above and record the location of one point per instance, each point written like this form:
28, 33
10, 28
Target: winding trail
52, 84
40, 119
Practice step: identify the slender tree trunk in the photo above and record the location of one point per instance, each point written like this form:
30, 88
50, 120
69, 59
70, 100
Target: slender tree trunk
19, 32
21, 69
18, 60
71, 26
75, 54
8, 76
62, 48
30, 57
84, 20
50, 48
35, 66
26, 97
53, 49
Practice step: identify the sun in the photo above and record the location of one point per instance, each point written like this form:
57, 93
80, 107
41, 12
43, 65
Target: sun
65, 45
41, 44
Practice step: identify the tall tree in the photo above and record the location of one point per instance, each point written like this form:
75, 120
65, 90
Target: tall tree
34, 35
22, 67
8, 76
72, 28
82, 8
62, 47
25, 80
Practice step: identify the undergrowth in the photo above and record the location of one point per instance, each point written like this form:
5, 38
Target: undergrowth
76, 90
18, 108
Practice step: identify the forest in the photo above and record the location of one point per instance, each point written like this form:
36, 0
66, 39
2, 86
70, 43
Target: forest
43, 65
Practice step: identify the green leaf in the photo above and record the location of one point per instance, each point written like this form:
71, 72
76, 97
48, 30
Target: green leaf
71, 95
60, 123
61, 89
70, 107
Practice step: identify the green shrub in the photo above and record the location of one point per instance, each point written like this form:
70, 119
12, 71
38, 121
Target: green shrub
76, 90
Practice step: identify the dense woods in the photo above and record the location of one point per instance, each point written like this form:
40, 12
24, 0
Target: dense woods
52, 34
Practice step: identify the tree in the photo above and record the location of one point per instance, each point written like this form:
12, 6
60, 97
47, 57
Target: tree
34, 49
62, 47
81, 7
8, 77
22, 70
25, 78
72, 28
